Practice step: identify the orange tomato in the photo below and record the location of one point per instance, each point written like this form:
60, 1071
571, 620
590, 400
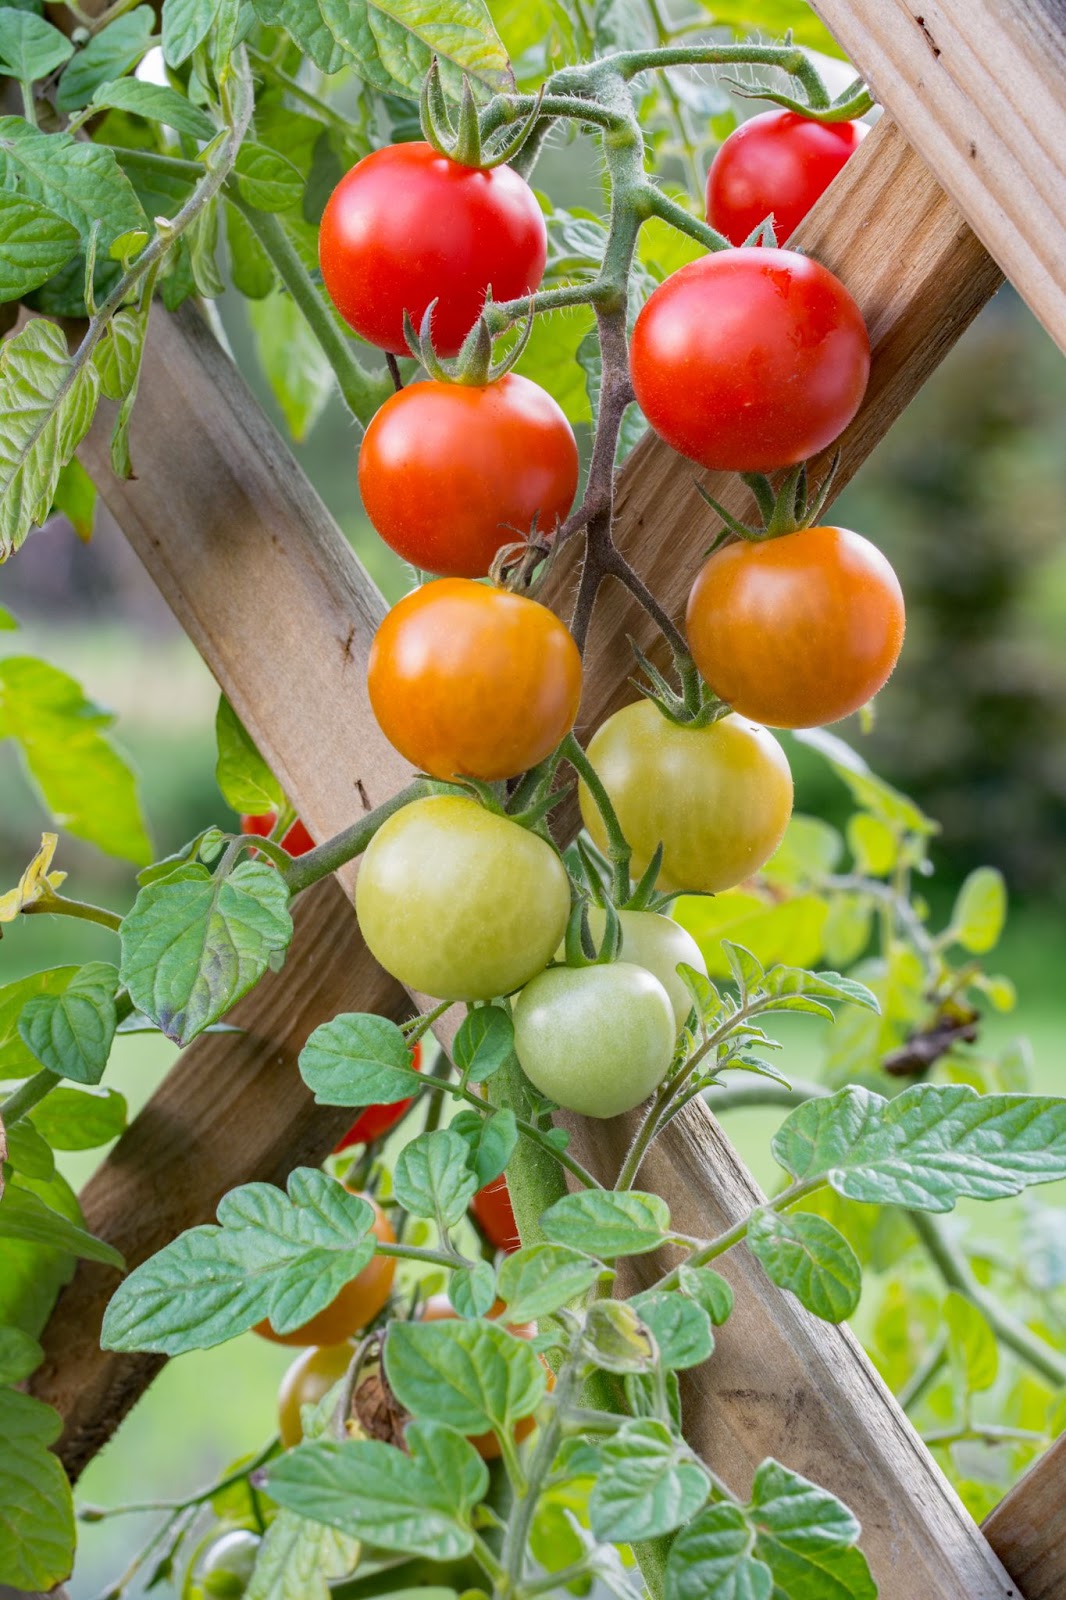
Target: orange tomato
358, 1303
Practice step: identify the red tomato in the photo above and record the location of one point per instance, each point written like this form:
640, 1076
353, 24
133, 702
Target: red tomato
376, 1121
750, 360
357, 1304
776, 165
472, 681
449, 472
297, 840
407, 225
797, 631
495, 1215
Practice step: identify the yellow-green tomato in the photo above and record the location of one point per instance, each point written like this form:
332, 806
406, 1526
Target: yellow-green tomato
222, 1567
458, 902
658, 944
598, 1040
718, 798
311, 1377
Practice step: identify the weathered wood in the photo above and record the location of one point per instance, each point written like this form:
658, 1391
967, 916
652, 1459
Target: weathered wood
282, 627
976, 86
1027, 1530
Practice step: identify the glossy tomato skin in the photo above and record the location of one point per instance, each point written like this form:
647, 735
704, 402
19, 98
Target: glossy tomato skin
357, 1304
459, 903
598, 1040
719, 798
376, 1121
311, 1376
777, 165
406, 226
450, 472
797, 631
467, 680
750, 360
659, 945
297, 841
495, 1216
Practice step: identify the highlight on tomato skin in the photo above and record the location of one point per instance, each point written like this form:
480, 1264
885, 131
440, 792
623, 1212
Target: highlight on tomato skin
776, 164
374, 1122
495, 1216
297, 841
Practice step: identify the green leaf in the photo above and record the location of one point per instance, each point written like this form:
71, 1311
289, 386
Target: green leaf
297, 1559
29, 1154
680, 1327
243, 777
927, 1147
710, 1290
31, 1275
868, 791
489, 1141
36, 1504
980, 911
118, 355
17, 1060
772, 19
538, 1279
806, 1537
616, 1339
24, 1215
109, 55
432, 1178
304, 22
810, 850
194, 943
472, 1290
784, 982
156, 102
186, 24
266, 179
19, 1355
471, 1375
358, 1060
80, 1119
606, 1224
394, 41
34, 243
253, 276
418, 1503
74, 178
972, 1347
285, 1257
873, 844
75, 497
711, 1559
30, 48
300, 378
46, 407
71, 1033
484, 1043
805, 1254
646, 1485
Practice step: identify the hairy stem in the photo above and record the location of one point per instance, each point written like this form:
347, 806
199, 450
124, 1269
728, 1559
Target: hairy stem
325, 858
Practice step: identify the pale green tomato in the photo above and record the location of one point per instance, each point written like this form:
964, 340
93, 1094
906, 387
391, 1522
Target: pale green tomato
598, 1040
222, 1567
718, 798
659, 944
459, 903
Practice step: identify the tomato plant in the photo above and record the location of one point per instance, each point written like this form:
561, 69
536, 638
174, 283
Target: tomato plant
361, 1299
775, 165
376, 1121
494, 1214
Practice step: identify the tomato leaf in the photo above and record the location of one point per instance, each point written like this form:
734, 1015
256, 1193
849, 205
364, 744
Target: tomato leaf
484, 1042
266, 179
471, 1375
358, 1060
28, 1153
109, 54
156, 102
646, 1486
806, 1255
472, 1290
30, 48
806, 1536
80, 1119
432, 1178
34, 243
276, 1255
680, 1327
710, 1290
24, 1215
70, 1033
972, 1348
603, 1223
616, 1339
36, 1503
243, 777
490, 1141
712, 1557
297, 1559
19, 1355
980, 911
538, 1279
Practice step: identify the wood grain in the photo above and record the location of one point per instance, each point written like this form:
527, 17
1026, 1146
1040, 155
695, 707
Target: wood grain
976, 86
1027, 1530
281, 611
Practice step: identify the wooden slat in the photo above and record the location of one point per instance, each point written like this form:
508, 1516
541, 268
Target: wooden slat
977, 87
289, 672
1027, 1530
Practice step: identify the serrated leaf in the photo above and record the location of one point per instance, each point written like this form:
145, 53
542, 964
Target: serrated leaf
243, 777
18, 1062
538, 1279
432, 1178
394, 41
34, 243
980, 911
788, 981
109, 54
490, 1141
29, 1154
807, 1537
806, 1255
266, 179
76, 179
304, 22
298, 1557
418, 1503
358, 1060
484, 1042
80, 1119
605, 1224
194, 943
284, 1256
23, 1215
472, 1290
709, 1289
680, 1327
471, 1375
646, 1486
36, 1504
118, 355
46, 407
30, 48
70, 1033
186, 24
972, 1347
930, 1145
746, 969
712, 1559
156, 102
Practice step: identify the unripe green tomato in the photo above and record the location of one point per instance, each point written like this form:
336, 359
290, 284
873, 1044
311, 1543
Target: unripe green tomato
718, 798
659, 944
222, 1567
309, 1379
596, 1039
459, 903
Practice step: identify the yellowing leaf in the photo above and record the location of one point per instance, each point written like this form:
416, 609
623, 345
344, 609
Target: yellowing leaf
36, 883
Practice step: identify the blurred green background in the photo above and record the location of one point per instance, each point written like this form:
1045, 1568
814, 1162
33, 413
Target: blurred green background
966, 497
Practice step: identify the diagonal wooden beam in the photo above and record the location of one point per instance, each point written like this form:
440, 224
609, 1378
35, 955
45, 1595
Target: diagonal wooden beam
1027, 1530
284, 628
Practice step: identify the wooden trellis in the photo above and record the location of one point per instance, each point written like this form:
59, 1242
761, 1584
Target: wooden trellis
266, 586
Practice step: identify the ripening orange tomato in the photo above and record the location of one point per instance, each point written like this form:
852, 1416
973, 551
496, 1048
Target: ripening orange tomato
358, 1303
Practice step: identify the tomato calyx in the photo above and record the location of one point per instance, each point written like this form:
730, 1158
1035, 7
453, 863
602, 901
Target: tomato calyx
580, 946
795, 504
853, 102
695, 707
460, 141
473, 365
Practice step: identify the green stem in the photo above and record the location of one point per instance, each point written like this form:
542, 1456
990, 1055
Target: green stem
56, 905
984, 1433
27, 1095
726, 1241
618, 848
434, 1258
535, 1177
237, 1475
745, 1096
661, 205
363, 391
921, 1378
326, 858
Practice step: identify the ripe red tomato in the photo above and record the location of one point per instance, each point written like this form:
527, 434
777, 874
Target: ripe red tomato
797, 631
376, 1121
750, 360
449, 472
495, 1217
776, 165
407, 225
471, 681
358, 1303
297, 841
